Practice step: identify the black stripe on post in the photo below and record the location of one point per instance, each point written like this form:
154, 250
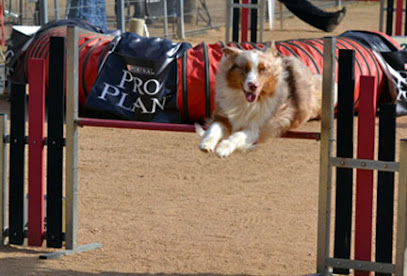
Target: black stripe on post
207, 81
344, 176
385, 185
389, 17
185, 87
17, 156
235, 22
55, 141
253, 23
405, 23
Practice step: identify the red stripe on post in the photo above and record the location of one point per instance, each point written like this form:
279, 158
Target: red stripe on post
364, 178
36, 117
245, 22
399, 16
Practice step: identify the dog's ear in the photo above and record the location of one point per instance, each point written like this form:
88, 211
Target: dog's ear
272, 50
230, 52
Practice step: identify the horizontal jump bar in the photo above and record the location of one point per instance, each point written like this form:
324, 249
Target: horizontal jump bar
365, 164
171, 127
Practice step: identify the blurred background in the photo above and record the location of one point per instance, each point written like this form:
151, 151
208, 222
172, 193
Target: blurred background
198, 15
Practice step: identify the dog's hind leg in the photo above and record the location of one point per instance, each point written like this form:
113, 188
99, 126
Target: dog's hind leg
240, 140
215, 132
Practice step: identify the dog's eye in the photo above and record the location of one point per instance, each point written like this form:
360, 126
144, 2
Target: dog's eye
262, 69
246, 68
243, 69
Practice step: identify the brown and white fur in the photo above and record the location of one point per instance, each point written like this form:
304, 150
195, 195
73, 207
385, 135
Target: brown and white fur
259, 95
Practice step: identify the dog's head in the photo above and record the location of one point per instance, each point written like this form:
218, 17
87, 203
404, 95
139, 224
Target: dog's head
254, 73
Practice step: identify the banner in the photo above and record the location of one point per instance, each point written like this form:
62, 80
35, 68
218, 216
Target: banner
138, 80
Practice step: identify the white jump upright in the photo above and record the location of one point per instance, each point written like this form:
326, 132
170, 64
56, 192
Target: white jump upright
71, 157
326, 261
325, 170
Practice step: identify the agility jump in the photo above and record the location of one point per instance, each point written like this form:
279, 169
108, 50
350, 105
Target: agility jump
339, 256
324, 262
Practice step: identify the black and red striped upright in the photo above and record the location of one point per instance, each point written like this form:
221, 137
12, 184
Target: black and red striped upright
240, 21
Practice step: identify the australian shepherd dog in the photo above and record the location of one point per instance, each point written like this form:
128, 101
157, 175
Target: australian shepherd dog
259, 94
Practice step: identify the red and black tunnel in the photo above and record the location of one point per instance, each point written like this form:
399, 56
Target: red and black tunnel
199, 65
93, 47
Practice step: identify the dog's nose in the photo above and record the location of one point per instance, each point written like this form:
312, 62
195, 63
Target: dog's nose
252, 86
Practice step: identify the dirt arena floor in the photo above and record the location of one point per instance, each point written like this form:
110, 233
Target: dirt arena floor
162, 207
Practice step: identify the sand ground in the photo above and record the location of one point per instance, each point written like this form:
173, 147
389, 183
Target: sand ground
162, 207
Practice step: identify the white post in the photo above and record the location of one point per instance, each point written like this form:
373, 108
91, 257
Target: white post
165, 18
121, 23
401, 240
180, 19
271, 4
71, 137
325, 169
43, 12
229, 19
3, 177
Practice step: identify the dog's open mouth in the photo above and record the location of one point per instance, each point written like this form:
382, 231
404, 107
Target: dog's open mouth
250, 96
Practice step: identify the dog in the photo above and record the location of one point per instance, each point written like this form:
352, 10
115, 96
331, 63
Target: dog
258, 94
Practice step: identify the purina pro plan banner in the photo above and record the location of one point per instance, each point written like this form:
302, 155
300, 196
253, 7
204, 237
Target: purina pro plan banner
138, 80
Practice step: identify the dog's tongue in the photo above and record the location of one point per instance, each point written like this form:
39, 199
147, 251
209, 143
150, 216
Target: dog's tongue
250, 97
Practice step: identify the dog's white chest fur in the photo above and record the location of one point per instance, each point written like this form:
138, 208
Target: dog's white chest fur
241, 113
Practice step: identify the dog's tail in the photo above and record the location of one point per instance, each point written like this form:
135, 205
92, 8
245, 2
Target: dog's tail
199, 130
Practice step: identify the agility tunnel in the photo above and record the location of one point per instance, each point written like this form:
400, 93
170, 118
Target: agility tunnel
156, 80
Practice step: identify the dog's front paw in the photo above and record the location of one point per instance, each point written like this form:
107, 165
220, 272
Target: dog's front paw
225, 149
207, 145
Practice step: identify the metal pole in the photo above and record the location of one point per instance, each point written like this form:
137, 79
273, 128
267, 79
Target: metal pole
121, 23
20, 14
71, 137
381, 15
325, 169
401, 210
3, 177
261, 10
165, 18
56, 5
43, 12
228, 19
271, 6
180, 17
67, 8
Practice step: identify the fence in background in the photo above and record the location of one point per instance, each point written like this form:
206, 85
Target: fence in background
199, 15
